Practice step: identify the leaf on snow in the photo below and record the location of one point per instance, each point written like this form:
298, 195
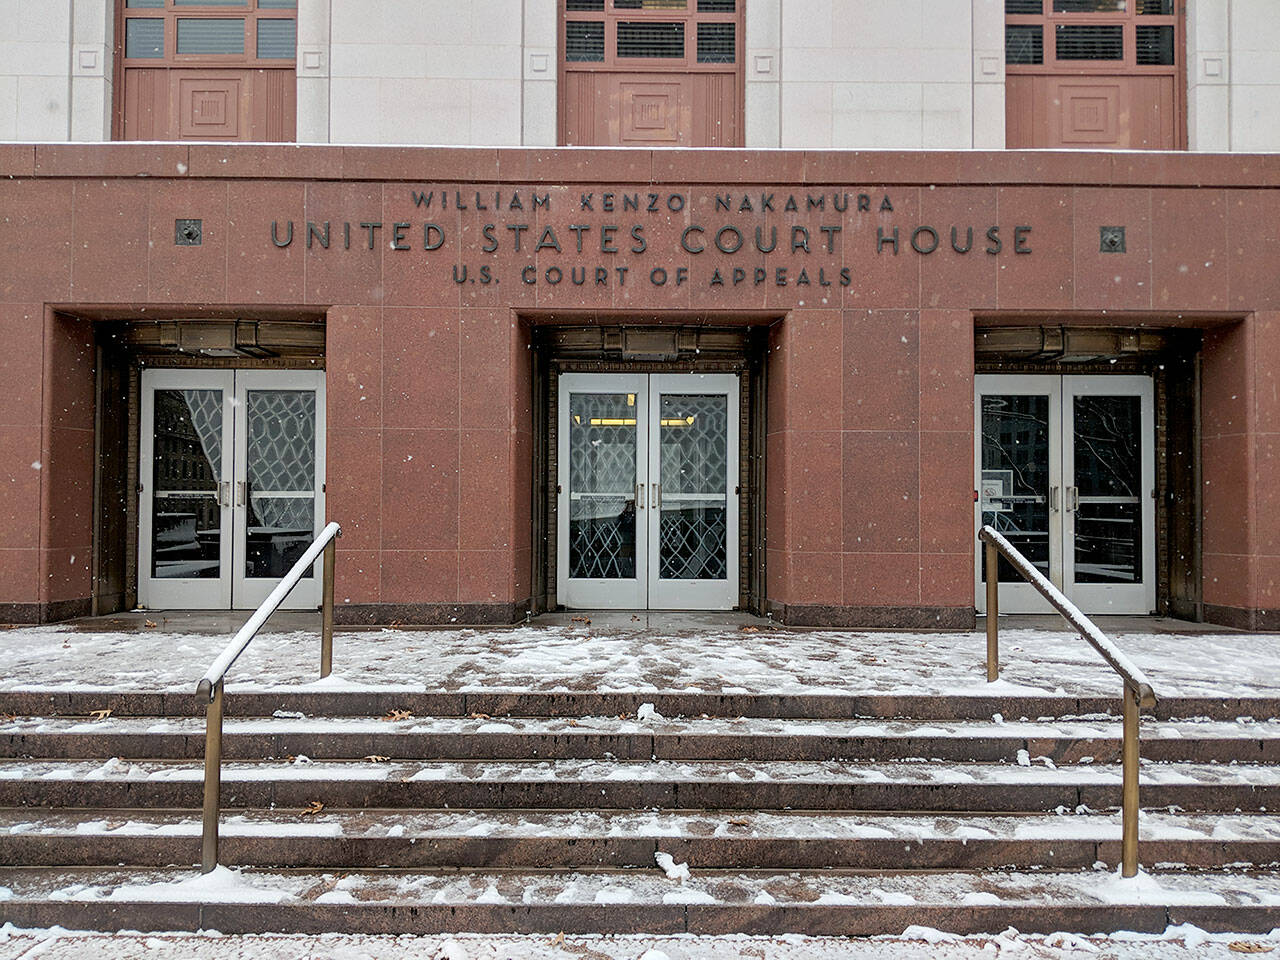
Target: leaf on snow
377, 758
100, 714
314, 807
1249, 946
395, 715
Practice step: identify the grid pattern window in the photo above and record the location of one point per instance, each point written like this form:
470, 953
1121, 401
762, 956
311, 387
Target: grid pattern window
651, 71
1095, 73
206, 69
1097, 34
216, 32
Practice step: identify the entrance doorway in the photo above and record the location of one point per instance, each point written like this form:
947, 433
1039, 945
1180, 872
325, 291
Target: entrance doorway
647, 491
231, 471
1066, 471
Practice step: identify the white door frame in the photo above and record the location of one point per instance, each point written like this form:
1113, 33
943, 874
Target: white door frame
591, 593
646, 589
248, 593
1020, 597
231, 590
694, 594
175, 592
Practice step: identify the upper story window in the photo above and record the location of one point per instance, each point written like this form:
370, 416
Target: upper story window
206, 69
1094, 73
651, 72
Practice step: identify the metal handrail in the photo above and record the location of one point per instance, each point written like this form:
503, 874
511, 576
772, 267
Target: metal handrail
1138, 692
210, 687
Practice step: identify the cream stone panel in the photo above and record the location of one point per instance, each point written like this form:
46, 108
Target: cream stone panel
8, 108
354, 107
1254, 73
762, 73
806, 115
988, 116
762, 108
314, 57
900, 71
878, 115
946, 119
43, 108
1208, 75
540, 106
988, 75
496, 112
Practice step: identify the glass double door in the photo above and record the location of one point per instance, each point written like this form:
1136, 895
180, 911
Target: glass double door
231, 473
647, 491
1066, 471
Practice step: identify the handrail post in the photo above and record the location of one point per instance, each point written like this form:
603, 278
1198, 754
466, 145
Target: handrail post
212, 779
1129, 788
326, 626
993, 613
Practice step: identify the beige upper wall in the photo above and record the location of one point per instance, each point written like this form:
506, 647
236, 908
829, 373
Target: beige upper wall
818, 73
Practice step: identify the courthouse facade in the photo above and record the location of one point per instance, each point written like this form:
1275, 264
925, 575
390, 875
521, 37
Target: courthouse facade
672, 304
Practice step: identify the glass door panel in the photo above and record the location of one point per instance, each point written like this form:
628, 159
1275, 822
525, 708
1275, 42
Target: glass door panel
1109, 511
693, 502
1066, 472
185, 473
1018, 425
602, 452
279, 423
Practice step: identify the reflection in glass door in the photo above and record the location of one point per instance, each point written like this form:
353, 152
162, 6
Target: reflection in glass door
648, 506
231, 466
1066, 472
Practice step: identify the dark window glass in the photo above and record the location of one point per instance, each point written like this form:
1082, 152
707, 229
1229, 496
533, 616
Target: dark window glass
143, 39
211, 36
277, 4
583, 42
717, 6
146, 4
1080, 42
1155, 46
716, 42
1023, 43
1089, 6
1157, 8
1024, 6
650, 4
651, 40
277, 39
210, 3
574, 5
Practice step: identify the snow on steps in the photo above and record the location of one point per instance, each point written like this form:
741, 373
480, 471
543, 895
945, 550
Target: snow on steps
600, 784
1066, 740
590, 839
708, 903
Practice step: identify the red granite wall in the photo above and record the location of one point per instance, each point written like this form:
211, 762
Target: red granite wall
870, 369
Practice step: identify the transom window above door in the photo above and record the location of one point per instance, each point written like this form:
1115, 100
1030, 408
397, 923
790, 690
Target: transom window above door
207, 70
651, 72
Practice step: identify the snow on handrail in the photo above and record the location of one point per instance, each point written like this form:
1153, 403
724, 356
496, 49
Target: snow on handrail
217, 670
1115, 657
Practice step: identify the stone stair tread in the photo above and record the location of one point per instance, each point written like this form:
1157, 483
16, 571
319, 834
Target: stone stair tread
1048, 728
667, 771
634, 887
656, 825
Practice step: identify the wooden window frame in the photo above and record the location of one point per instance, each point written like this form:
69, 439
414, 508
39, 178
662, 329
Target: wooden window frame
171, 14
1129, 21
690, 17
1127, 66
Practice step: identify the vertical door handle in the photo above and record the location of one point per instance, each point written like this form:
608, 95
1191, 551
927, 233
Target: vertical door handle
1053, 499
639, 496
224, 493
656, 499
241, 486
1073, 499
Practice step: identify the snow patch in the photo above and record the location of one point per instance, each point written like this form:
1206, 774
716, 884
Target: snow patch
673, 870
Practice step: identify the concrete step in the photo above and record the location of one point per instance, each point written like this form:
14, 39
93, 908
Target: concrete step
599, 784
611, 902
710, 839
509, 738
248, 700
